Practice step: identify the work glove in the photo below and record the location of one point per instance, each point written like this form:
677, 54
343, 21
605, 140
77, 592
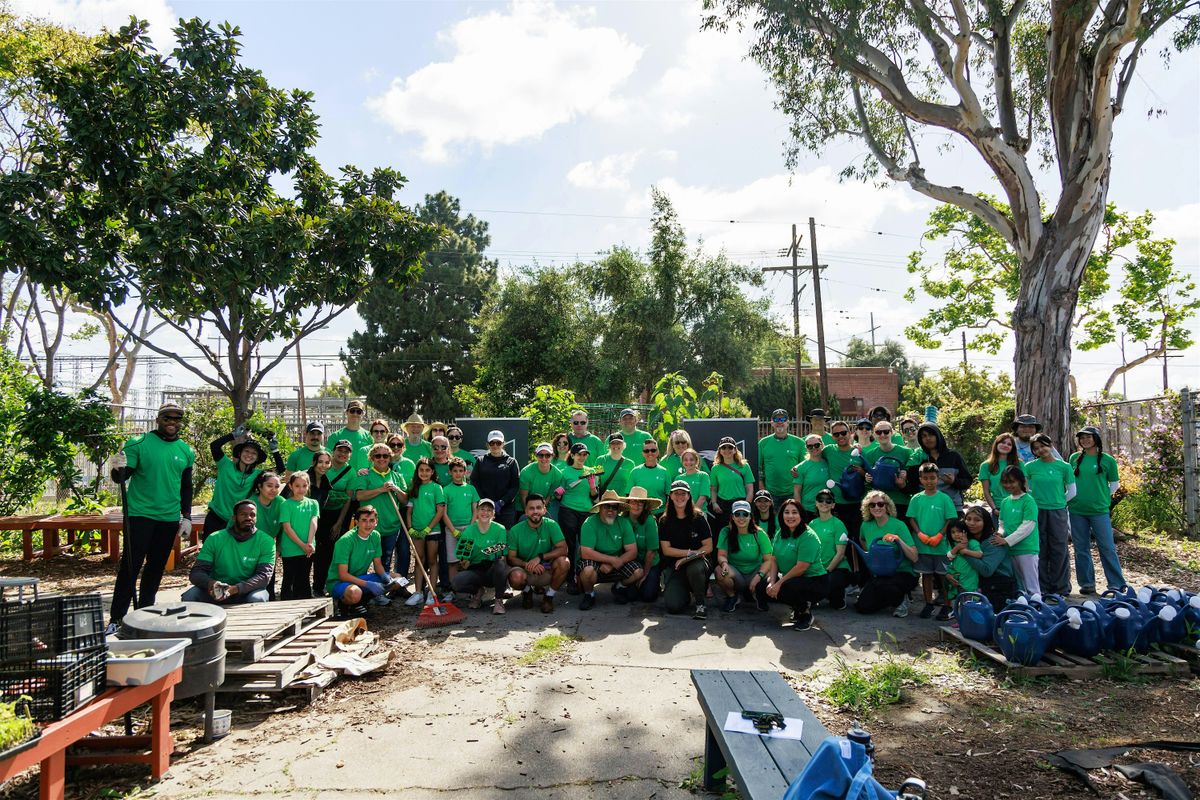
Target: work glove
239, 432
185, 527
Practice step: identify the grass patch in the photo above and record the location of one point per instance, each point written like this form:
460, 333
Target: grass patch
546, 646
863, 689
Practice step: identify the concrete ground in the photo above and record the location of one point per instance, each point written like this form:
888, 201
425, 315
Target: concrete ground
612, 714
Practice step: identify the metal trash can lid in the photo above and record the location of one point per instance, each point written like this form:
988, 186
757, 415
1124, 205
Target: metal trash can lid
181, 620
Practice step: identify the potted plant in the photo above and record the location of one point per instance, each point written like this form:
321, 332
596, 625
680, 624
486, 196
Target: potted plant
17, 729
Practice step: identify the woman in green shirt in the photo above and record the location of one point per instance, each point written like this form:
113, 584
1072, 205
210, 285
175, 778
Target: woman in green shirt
480, 554
455, 435
834, 542
575, 497
812, 475
1090, 510
562, 450
797, 576
698, 481
1052, 484
731, 480
265, 493
743, 559
678, 443
235, 476
645, 531
880, 524
764, 512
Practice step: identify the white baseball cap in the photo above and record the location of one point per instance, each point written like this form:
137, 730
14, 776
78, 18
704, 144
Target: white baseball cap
495, 436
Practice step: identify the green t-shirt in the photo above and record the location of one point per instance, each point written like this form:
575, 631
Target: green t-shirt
832, 533
619, 482
897, 440
424, 500
267, 519
700, 483
405, 469
838, 460
359, 438
534, 481
752, 547
357, 553
776, 457
992, 480
233, 561
1092, 497
645, 533
389, 519
300, 459
960, 568
595, 447
579, 496
158, 467
466, 456
674, 466
231, 486
607, 539
459, 498
341, 480
441, 474
804, 547
872, 531
811, 477
1014, 511
899, 453
931, 511
530, 543
633, 446
731, 480
1048, 482
654, 480
478, 547
299, 514
422, 449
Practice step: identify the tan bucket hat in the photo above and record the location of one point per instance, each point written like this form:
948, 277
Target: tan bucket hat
610, 498
640, 493
415, 419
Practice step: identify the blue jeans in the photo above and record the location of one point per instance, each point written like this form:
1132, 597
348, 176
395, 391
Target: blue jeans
198, 595
397, 543
1084, 528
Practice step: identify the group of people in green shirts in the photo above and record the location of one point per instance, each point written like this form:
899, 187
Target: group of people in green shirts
586, 511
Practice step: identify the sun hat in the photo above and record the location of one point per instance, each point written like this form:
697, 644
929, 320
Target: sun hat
610, 498
249, 442
416, 419
640, 493
1088, 430
1026, 419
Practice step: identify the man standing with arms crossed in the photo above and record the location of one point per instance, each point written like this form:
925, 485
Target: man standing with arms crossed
777, 454
157, 465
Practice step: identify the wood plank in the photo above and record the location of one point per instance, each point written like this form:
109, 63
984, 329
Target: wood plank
789, 755
750, 763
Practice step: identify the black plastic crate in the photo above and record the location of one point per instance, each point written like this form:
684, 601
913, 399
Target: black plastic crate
50, 626
58, 685
80, 622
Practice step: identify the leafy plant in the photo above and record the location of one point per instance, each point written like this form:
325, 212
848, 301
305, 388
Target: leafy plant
1121, 666
213, 417
863, 689
548, 412
675, 400
16, 724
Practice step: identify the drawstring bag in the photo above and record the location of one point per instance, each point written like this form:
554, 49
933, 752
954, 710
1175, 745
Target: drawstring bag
838, 770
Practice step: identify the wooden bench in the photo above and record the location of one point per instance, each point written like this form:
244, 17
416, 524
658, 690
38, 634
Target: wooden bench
762, 767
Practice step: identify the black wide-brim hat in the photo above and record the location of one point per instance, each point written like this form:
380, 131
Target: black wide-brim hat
1026, 419
261, 454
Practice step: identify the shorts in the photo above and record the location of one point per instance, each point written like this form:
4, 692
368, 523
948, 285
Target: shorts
541, 580
930, 564
624, 572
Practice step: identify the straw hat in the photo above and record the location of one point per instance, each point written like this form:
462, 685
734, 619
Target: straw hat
610, 498
640, 493
416, 419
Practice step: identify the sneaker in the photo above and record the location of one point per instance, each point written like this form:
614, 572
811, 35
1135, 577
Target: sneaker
380, 600
476, 600
620, 595
928, 610
111, 630
731, 603
357, 611
430, 598
1087, 589
547, 604
527, 599
448, 597
853, 592
498, 607
945, 614
587, 602
804, 620
701, 612
415, 599
901, 610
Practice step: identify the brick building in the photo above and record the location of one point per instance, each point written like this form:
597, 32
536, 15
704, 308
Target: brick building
857, 389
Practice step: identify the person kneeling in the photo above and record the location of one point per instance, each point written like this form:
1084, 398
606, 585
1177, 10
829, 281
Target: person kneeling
357, 571
537, 553
744, 557
480, 554
607, 551
235, 564
797, 574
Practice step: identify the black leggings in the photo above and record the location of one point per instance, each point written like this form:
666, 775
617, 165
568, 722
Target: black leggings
213, 522
475, 577
571, 522
149, 542
851, 516
801, 592
839, 579
886, 592
296, 580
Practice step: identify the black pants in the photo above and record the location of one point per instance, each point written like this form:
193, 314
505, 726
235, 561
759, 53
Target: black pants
851, 516
148, 542
323, 556
839, 579
998, 589
475, 577
719, 521
213, 522
508, 515
571, 522
886, 592
800, 593
685, 586
648, 591
296, 578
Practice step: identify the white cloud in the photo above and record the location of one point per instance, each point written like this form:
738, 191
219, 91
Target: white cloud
90, 16
610, 172
514, 75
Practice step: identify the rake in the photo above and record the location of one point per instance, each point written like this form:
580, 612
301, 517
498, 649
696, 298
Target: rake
438, 613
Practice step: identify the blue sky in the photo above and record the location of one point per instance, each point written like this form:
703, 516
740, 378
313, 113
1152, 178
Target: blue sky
552, 120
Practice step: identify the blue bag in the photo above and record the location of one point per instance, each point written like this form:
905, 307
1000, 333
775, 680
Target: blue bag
838, 770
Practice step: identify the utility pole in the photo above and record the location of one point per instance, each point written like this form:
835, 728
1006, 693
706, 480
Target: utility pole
963, 349
816, 271
794, 251
300, 376
874, 328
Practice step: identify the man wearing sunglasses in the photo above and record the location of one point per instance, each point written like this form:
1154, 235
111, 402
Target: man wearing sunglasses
541, 478
157, 468
353, 431
651, 476
839, 456
777, 454
634, 438
579, 435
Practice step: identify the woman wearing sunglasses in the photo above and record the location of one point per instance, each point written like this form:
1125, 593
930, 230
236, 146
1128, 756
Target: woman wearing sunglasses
731, 480
386, 489
797, 575
812, 476
743, 559
678, 443
834, 543
884, 591
455, 435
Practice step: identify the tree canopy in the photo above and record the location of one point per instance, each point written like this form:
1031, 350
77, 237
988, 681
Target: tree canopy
860, 353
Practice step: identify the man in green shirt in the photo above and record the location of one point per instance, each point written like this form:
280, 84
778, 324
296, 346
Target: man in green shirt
357, 570
235, 564
607, 550
537, 553
353, 432
650, 476
616, 466
158, 468
539, 477
415, 447
634, 438
301, 458
579, 435
777, 454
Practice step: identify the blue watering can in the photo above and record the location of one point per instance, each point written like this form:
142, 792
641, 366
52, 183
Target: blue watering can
1104, 615
1046, 616
975, 616
1191, 613
1172, 625
1021, 638
1084, 634
1133, 628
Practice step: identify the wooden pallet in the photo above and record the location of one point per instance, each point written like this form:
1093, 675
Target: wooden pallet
255, 630
1187, 652
1056, 662
279, 668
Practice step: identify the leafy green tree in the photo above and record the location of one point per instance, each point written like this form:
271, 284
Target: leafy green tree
154, 189
777, 389
974, 406
549, 413
417, 343
859, 353
212, 417
1030, 87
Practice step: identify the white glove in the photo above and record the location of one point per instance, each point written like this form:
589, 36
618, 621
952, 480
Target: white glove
185, 527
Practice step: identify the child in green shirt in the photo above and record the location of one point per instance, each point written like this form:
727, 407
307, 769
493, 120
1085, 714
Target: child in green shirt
960, 575
928, 513
1019, 528
298, 520
426, 513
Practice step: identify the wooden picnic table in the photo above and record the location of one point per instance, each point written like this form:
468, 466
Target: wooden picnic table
110, 525
153, 749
